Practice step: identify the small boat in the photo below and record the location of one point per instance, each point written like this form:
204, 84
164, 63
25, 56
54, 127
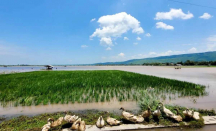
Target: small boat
49, 67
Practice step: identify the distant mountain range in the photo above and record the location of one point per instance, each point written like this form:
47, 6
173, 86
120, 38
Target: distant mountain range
206, 56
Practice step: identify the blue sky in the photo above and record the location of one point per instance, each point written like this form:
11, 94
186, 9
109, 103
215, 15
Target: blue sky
91, 31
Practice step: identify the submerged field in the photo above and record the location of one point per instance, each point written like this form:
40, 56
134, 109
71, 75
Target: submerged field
44, 87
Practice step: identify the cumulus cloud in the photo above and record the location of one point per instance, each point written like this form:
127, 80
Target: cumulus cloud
173, 13
106, 41
192, 50
135, 43
125, 38
164, 26
92, 20
108, 48
138, 38
121, 54
84, 46
206, 16
113, 26
148, 35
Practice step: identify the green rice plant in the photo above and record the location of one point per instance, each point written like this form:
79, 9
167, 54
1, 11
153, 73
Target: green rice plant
102, 98
107, 97
71, 86
45, 101
112, 93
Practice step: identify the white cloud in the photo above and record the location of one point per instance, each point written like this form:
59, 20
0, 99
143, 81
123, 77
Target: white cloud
84, 46
108, 48
92, 20
164, 26
135, 43
206, 16
106, 41
113, 26
192, 50
148, 35
212, 38
173, 13
121, 54
125, 38
138, 38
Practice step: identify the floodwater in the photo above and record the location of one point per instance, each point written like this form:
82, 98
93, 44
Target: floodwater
111, 106
200, 75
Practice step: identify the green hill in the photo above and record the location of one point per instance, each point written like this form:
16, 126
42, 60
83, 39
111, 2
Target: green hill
206, 56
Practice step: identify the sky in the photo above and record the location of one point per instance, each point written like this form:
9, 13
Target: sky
91, 31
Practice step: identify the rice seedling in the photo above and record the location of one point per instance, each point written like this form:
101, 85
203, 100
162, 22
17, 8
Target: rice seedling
44, 87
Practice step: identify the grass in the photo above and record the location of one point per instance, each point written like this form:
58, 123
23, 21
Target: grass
152, 101
44, 87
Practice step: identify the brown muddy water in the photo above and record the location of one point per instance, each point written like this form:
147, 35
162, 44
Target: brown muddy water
200, 75
112, 106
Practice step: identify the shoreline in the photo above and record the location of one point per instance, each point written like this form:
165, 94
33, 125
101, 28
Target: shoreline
90, 117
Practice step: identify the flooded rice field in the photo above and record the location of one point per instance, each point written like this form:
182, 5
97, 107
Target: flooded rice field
204, 76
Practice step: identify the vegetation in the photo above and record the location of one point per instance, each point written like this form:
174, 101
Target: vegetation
206, 56
44, 87
153, 103
90, 117
25, 123
186, 63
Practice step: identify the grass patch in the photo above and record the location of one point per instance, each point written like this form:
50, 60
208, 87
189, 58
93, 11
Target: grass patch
153, 103
25, 123
44, 87
90, 117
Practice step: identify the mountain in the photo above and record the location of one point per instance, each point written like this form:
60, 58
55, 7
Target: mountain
205, 56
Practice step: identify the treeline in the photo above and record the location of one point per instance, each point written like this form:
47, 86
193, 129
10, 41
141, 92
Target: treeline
186, 63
